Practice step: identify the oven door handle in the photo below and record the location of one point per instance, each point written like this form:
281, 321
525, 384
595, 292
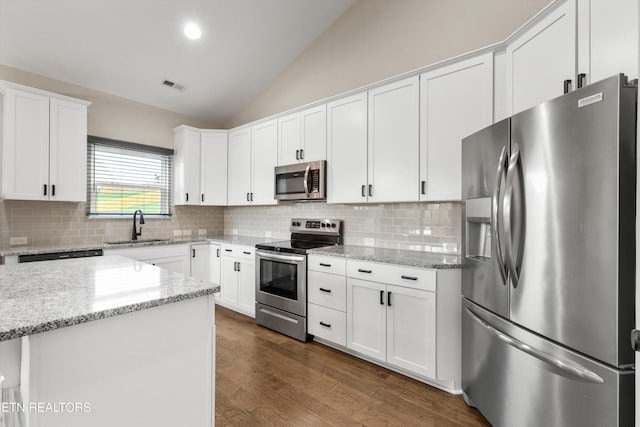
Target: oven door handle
275, 257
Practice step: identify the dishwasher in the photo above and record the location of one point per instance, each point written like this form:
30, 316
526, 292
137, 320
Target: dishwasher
59, 255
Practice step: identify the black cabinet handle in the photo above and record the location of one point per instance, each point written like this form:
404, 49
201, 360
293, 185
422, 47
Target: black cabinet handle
247, 197
567, 86
389, 298
423, 187
251, 196
246, 253
363, 190
325, 290
217, 253
228, 250
193, 253
297, 154
381, 297
53, 190
408, 277
582, 77
360, 270
301, 154
370, 190
45, 189
324, 265
238, 265
202, 197
326, 325
187, 194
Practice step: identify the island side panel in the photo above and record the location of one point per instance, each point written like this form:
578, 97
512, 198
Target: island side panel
154, 367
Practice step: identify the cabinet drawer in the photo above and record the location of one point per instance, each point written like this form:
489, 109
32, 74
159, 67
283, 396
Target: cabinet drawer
238, 251
328, 290
409, 277
327, 264
328, 324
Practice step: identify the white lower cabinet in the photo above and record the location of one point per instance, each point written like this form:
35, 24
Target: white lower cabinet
238, 278
404, 318
170, 257
205, 262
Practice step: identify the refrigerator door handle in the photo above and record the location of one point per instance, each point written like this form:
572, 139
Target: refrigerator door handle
495, 212
508, 205
564, 366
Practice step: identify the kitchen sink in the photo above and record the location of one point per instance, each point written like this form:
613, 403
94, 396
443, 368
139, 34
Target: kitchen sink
139, 241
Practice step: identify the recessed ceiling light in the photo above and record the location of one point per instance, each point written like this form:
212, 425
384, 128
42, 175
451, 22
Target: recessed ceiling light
192, 31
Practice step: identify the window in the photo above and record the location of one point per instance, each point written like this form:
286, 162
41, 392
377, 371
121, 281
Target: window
123, 177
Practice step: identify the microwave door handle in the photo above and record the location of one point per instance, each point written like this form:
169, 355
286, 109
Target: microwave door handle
305, 181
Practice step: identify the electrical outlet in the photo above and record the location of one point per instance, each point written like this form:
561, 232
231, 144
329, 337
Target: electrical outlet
177, 233
369, 241
202, 232
234, 231
18, 241
186, 232
267, 234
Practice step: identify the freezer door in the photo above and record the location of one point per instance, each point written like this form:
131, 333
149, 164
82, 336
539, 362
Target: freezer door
572, 173
484, 277
516, 378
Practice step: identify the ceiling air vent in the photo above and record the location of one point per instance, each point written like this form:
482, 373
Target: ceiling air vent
176, 86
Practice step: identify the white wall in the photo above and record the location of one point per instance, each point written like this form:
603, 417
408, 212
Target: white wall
378, 39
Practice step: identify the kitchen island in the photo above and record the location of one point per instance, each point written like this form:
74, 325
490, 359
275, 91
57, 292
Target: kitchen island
106, 341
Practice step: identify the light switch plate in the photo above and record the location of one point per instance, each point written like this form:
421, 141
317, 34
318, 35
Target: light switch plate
202, 232
177, 233
267, 234
186, 232
18, 241
369, 241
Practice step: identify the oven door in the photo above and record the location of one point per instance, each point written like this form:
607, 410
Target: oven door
281, 281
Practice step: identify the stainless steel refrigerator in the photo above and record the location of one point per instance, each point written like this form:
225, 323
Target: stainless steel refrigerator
549, 257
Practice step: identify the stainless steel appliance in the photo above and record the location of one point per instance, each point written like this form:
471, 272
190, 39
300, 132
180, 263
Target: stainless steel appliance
549, 259
301, 181
281, 275
49, 256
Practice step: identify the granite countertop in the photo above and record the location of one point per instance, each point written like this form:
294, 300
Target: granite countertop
421, 259
233, 239
42, 296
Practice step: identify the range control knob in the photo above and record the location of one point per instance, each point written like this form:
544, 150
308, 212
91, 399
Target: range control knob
333, 225
323, 225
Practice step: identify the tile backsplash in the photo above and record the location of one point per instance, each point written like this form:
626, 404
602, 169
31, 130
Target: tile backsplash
417, 226
54, 223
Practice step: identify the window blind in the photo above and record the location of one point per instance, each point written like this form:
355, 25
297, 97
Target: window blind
124, 176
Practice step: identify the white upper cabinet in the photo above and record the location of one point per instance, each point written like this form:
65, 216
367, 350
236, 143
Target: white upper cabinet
239, 162
213, 167
393, 149
186, 143
541, 59
200, 164
607, 38
264, 149
455, 101
44, 145
347, 149
302, 136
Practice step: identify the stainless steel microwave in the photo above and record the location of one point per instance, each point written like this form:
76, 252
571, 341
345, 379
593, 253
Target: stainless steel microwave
301, 181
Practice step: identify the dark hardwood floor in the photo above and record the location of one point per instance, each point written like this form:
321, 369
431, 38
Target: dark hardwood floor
266, 379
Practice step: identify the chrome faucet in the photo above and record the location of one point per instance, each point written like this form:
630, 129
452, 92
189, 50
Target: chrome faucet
135, 233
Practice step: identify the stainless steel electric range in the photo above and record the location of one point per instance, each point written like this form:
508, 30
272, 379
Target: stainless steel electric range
281, 275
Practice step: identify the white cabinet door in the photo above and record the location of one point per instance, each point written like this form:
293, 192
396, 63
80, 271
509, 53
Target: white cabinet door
228, 295
314, 134
539, 61
68, 151
200, 261
215, 264
264, 149
607, 38
25, 145
455, 101
347, 149
393, 154
411, 329
247, 287
239, 184
187, 166
289, 139
366, 318
213, 167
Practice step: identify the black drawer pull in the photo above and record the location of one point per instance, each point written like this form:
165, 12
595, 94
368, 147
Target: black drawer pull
360, 270
246, 253
409, 277
389, 298
326, 325
381, 297
322, 264
325, 290
228, 250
